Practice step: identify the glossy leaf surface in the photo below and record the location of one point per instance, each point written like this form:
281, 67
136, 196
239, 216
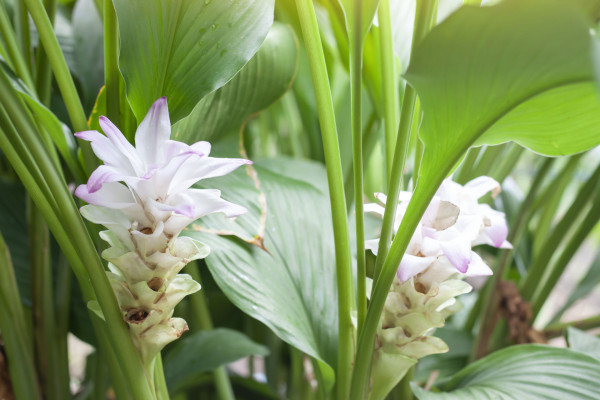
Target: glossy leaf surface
185, 49
526, 372
291, 286
266, 77
520, 70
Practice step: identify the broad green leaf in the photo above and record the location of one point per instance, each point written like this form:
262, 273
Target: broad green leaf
203, 351
583, 342
520, 70
525, 372
291, 287
185, 49
266, 77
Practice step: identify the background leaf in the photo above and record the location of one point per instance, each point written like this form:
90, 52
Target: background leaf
185, 49
526, 372
291, 288
583, 342
494, 74
266, 77
204, 351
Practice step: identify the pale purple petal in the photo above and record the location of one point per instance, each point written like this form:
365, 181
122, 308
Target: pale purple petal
121, 144
457, 249
103, 174
107, 151
412, 265
111, 195
153, 132
481, 185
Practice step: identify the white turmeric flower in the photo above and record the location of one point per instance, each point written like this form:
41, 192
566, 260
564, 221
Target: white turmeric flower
428, 278
143, 196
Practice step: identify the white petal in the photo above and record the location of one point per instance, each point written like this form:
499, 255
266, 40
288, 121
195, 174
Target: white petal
478, 267
197, 168
481, 185
373, 245
412, 265
153, 132
456, 248
373, 208
107, 151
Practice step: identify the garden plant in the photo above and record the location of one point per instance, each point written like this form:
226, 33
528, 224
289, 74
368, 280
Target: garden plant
299, 199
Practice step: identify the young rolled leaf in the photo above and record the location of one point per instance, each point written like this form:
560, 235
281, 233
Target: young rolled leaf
266, 77
185, 49
520, 70
528, 372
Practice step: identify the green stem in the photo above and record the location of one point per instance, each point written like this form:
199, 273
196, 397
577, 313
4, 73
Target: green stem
316, 59
63, 76
465, 171
62, 307
540, 263
99, 392
488, 159
390, 83
556, 270
201, 313
43, 308
488, 297
555, 330
12, 47
356, 58
509, 160
22, 28
12, 323
424, 20
419, 148
43, 77
111, 63
160, 385
75, 236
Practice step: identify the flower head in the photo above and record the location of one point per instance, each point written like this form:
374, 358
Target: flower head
143, 195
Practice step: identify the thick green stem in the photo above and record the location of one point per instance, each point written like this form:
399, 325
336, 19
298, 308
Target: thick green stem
111, 63
316, 58
160, 385
390, 83
62, 301
356, 58
12, 323
465, 171
201, 313
555, 330
23, 36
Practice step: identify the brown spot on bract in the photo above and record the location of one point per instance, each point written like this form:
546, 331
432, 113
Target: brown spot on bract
155, 283
419, 287
136, 316
147, 231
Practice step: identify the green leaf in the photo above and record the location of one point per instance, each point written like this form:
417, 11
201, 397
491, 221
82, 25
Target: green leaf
368, 8
520, 70
266, 77
583, 342
525, 372
88, 50
185, 49
291, 287
204, 351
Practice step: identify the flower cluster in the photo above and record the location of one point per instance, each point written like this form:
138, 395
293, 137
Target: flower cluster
143, 196
429, 276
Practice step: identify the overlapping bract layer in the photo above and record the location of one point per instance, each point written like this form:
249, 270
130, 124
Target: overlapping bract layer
144, 216
429, 277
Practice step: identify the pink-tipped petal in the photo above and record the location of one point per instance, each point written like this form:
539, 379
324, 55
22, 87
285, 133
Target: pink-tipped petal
153, 132
111, 195
458, 251
101, 175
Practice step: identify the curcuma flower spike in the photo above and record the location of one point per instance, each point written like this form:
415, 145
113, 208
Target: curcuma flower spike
143, 195
430, 274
